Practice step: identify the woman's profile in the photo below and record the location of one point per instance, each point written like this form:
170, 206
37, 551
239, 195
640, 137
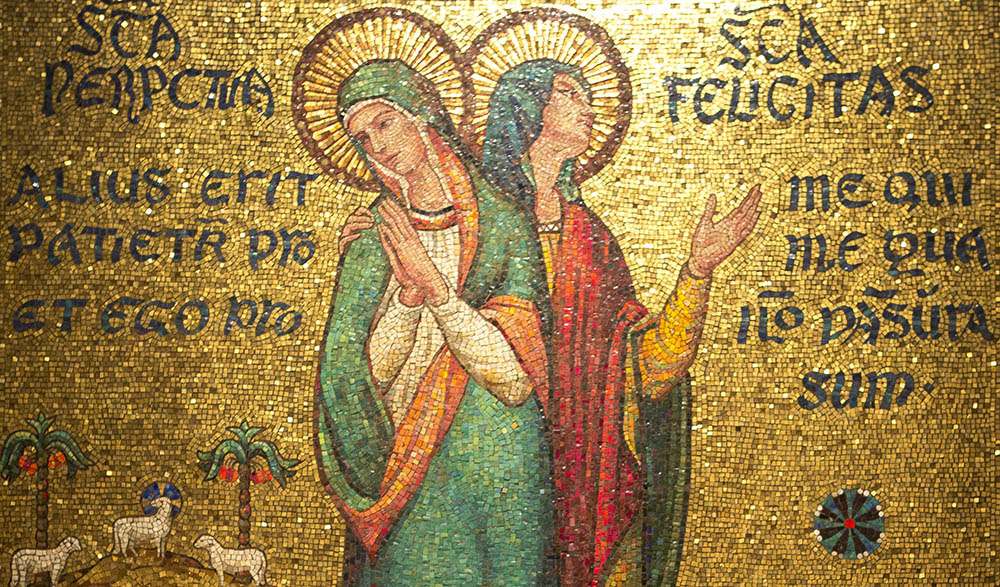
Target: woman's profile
619, 405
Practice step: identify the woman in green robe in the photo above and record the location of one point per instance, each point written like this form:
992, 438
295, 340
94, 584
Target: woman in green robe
429, 426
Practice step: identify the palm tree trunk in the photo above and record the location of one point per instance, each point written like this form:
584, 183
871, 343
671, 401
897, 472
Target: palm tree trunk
42, 508
42, 504
244, 520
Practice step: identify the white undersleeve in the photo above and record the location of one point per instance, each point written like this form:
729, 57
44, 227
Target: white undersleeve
405, 340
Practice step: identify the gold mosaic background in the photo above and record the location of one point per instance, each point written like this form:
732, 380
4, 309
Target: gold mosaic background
143, 406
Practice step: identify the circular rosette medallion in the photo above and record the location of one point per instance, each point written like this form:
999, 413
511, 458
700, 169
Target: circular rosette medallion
550, 33
849, 523
158, 489
345, 45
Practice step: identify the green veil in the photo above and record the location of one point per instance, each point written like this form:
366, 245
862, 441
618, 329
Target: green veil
401, 85
515, 121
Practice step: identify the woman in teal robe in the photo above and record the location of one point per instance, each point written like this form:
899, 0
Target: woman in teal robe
454, 487
619, 403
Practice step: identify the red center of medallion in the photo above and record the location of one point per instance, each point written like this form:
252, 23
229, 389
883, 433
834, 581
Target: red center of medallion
849, 522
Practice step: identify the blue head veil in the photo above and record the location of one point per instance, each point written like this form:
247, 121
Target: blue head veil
515, 121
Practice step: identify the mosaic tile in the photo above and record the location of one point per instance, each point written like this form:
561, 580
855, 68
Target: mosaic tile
479, 293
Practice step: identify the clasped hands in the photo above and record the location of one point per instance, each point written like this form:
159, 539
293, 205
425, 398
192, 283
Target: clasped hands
418, 277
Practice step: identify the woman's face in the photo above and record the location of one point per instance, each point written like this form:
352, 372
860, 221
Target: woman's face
388, 136
568, 117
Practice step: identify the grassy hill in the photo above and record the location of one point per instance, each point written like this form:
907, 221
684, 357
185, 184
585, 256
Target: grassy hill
174, 570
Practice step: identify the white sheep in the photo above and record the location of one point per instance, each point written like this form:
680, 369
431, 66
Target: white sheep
126, 532
27, 562
233, 560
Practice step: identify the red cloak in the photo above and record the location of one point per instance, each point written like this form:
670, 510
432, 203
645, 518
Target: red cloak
598, 481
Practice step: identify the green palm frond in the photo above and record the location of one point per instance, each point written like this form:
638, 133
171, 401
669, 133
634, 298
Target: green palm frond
41, 424
245, 433
61, 441
281, 468
211, 462
13, 447
46, 442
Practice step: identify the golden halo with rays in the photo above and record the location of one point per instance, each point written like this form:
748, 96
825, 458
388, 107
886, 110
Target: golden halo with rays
551, 33
348, 43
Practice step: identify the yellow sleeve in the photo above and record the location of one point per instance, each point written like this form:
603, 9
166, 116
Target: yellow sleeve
550, 250
666, 350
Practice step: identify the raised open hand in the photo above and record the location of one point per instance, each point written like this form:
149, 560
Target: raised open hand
714, 241
410, 258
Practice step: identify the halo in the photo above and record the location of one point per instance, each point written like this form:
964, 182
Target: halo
161, 489
551, 33
349, 42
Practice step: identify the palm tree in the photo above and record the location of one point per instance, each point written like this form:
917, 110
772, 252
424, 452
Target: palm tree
53, 449
245, 449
